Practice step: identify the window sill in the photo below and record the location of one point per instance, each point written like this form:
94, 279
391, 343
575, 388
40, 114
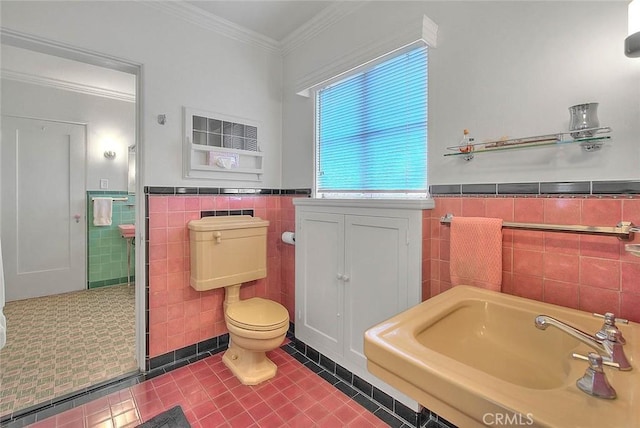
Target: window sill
405, 204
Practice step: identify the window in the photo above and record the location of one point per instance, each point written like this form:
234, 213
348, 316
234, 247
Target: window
371, 131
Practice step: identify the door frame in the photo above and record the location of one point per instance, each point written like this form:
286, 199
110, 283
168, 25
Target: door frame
55, 48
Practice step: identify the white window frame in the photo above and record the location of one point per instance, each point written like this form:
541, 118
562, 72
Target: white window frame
360, 69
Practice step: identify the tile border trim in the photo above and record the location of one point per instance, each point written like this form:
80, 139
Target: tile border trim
614, 187
109, 282
225, 191
389, 410
172, 360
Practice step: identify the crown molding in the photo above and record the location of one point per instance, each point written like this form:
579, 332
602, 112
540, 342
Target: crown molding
323, 20
53, 47
67, 86
213, 22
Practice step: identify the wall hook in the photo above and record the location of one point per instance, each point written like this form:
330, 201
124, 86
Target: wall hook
162, 119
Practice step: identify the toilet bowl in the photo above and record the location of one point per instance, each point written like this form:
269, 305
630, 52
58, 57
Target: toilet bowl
225, 252
255, 326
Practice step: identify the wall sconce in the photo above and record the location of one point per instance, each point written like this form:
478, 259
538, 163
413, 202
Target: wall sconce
632, 43
109, 154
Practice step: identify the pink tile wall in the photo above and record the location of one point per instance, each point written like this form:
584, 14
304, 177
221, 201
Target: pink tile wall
578, 271
590, 273
179, 316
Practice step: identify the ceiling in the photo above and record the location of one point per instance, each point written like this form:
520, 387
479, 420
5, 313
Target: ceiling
274, 19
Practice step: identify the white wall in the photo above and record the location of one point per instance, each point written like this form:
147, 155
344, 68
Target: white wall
499, 69
107, 119
182, 65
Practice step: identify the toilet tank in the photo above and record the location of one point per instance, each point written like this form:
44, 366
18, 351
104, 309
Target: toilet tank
227, 250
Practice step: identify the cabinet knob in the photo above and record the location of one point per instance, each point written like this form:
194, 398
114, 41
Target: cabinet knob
339, 276
345, 278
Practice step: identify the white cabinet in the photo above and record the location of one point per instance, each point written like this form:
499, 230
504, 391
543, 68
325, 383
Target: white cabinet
375, 282
319, 287
355, 267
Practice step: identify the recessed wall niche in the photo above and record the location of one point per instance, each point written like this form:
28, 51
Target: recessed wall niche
219, 146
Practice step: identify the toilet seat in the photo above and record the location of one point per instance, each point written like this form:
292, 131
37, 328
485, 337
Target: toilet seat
257, 314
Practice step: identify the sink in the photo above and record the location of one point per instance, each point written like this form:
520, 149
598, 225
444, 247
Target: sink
470, 354
489, 337
127, 230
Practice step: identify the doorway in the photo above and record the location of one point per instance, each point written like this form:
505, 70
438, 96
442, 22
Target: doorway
43, 262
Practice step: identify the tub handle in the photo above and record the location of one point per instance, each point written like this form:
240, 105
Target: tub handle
604, 363
611, 316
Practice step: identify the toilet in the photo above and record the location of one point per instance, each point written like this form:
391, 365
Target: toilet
226, 252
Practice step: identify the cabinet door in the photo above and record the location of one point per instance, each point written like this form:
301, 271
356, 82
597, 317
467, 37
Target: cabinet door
319, 294
376, 254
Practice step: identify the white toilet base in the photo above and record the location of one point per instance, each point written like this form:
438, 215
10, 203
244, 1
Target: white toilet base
250, 367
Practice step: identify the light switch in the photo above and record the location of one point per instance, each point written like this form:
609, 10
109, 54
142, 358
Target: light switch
104, 183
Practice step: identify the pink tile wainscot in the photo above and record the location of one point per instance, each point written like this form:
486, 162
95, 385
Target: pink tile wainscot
180, 316
585, 272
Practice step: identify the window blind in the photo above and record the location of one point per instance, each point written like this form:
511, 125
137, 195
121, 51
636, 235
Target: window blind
371, 131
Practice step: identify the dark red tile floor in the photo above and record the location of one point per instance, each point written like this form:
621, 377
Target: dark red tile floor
211, 396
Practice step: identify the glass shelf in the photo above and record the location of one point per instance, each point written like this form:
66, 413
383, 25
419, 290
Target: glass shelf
588, 144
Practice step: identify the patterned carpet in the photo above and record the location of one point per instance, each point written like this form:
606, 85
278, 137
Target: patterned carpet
65, 343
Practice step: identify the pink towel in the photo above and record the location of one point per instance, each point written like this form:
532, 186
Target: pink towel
476, 252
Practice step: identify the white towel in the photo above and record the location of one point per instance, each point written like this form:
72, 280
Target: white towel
102, 209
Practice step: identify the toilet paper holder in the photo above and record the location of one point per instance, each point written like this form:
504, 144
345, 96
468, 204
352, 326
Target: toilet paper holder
289, 238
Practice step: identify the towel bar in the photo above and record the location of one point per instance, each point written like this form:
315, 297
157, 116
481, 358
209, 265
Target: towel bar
624, 230
114, 199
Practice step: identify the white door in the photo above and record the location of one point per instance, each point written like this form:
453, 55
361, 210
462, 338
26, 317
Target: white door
43, 207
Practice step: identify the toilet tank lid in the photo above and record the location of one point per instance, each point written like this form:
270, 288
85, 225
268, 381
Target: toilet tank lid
227, 222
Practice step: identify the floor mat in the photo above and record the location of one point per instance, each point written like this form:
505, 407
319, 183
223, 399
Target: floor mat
172, 418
